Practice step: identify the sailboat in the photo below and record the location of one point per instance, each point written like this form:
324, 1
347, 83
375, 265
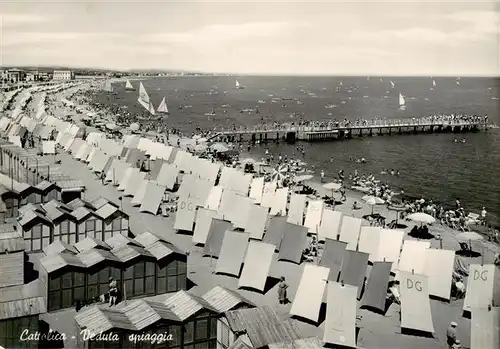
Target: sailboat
433, 85
162, 108
144, 100
458, 81
238, 86
108, 87
392, 84
402, 102
129, 87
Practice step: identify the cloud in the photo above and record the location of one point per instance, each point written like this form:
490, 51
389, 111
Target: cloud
223, 33
481, 22
14, 38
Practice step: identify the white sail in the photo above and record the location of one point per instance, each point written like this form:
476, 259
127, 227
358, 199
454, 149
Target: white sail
144, 100
433, 83
128, 85
392, 84
162, 108
108, 87
402, 101
458, 82
341, 83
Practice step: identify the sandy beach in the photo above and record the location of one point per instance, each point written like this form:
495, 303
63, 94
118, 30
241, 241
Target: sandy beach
376, 331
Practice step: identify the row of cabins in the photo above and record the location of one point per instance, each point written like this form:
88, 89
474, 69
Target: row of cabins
143, 266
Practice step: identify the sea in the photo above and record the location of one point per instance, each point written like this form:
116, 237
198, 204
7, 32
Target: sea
432, 166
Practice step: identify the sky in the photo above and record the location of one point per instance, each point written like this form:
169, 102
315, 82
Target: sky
328, 37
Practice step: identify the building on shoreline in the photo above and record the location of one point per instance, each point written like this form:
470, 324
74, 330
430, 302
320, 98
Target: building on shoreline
63, 75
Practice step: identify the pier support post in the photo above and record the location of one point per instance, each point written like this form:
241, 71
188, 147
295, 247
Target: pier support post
360, 132
260, 137
390, 131
400, 130
380, 131
371, 132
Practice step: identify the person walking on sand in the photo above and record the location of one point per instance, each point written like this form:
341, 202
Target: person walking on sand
322, 176
113, 291
282, 287
451, 334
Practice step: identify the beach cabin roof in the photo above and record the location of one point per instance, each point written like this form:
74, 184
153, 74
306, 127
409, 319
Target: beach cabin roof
11, 269
119, 240
223, 299
67, 185
31, 218
97, 320
22, 300
52, 263
59, 246
56, 213
185, 305
262, 326
98, 202
127, 253
44, 187
76, 203
143, 314
20, 188
10, 239
82, 213
95, 256
89, 243
108, 210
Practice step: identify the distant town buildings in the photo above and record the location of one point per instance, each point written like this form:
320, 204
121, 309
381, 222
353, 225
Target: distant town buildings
63, 75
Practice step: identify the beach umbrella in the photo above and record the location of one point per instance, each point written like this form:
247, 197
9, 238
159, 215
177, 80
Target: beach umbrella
219, 147
421, 217
134, 127
332, 186
373, 200
470, 236
302, 178
199, 148
279, 174
248, 161
111, 126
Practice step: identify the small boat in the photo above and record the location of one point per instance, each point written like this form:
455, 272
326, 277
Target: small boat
392, 84
162, 108
433, 85
108, 87
144, 100
260, 101
299, 103
225, 106
402, 102
366, 96
494, 98
247, 110
270, 95
330, 106
212, 113
129, 87
239, 86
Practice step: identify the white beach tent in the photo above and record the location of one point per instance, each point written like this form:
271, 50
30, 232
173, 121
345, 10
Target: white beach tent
412, 258
415, 305
480, 286
314, 214
214, 198
202, 226
309, 296
232, 253
330, 225
369, 240
297, 209
389, 247
349, 231
268, 194
185, 215
152, 199
140, 192
256, 189
485, 328
439, 266
280, 201
168, 176
135, 181
340, 322
256, 266
257, 221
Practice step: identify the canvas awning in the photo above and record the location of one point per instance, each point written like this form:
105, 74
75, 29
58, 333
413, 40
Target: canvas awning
268, 194
232, 253
256, 265
485, 328
369, 240
167, 176
309, 295
279, 202
152, 198
439, 266
214, 198
390, 246
480, 286
185, 215
412, 257
140, 192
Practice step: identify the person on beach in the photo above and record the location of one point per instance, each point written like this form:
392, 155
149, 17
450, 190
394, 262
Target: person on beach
483, 216
282, 289
456, 345
113, 291
322, 176
451, 334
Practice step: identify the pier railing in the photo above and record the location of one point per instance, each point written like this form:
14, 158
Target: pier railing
366, 124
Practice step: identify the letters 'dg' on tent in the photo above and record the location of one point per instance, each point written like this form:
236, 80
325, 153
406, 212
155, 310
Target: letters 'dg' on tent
186, 211
479, 286
415, 305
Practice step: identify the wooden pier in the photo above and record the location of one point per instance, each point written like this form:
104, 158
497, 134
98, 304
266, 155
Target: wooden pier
292, 133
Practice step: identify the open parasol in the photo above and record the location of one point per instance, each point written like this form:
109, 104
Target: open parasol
332, 186
134, 126
421, 217
279, 174
219, 147
373, 200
